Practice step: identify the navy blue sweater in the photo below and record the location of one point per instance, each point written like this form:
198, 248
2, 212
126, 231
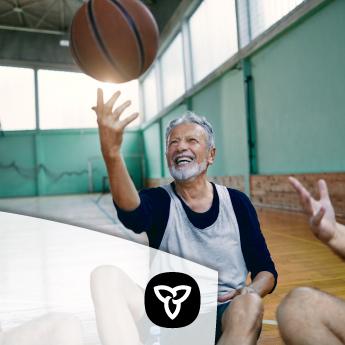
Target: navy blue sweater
153, 213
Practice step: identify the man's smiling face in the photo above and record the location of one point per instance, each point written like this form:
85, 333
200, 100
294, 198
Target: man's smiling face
188, 153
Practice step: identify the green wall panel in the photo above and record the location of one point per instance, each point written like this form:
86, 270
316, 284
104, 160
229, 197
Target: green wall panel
223, 104
299, 84
63, 157
153, 151
20, 150
67, 155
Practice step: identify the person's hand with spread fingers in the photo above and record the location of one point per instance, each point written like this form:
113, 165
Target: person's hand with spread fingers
111, 130
322, 216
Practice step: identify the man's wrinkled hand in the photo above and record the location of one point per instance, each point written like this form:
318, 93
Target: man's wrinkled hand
111, 128
320, 212
231, 295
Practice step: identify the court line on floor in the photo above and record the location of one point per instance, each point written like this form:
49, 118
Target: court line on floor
270, 322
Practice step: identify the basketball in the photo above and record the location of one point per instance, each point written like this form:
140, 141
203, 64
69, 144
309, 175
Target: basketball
114, 40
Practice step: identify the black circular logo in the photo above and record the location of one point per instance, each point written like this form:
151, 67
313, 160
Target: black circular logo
172, 300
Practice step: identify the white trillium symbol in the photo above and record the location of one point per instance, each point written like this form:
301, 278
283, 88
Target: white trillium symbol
157, 289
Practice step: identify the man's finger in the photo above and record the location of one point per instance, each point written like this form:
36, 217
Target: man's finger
323, 190
129, 119
228, 296
100, 101
109, 105
297, 185
316, 220
304, 195
119, 110
308, 203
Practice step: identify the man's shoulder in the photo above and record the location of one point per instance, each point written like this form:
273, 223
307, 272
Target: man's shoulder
154, 193
238, 195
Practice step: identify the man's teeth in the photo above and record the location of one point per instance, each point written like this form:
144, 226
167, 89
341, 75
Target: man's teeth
183, 160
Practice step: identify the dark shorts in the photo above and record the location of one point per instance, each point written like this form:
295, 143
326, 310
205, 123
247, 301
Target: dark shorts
220, 311
144, 327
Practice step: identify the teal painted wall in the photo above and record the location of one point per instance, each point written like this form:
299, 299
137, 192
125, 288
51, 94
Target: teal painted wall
299, 82
223, 104
63, 158
299, 88
18, 149
153, 151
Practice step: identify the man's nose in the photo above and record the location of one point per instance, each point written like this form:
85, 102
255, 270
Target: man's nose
182, 145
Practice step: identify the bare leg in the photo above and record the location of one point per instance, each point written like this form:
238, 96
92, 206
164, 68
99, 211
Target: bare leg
52, 329
308, 316
241, 322
119, 304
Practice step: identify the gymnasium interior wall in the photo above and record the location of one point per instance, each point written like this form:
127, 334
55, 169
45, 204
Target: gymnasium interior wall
298, 88
298, 115
60, 162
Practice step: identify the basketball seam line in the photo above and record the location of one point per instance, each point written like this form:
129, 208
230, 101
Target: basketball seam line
75, 52
100, 41
134, 29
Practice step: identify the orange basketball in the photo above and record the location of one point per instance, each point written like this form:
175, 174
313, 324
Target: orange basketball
114, 40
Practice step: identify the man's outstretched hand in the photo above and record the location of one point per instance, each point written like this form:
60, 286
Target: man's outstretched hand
110, 126
321, 213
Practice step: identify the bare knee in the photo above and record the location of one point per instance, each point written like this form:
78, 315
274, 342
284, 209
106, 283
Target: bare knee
245, 313
293, 311
107, 275
297, 300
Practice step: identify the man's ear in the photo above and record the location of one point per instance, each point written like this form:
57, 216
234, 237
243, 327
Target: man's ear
211, 155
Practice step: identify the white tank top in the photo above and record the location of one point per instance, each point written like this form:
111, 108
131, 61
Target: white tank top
217, 246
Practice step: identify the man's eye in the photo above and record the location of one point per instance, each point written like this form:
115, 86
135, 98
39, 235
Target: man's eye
193, 140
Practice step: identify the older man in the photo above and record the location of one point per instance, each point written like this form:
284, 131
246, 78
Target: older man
192, 218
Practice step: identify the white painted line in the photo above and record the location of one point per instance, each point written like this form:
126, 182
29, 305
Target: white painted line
270, 322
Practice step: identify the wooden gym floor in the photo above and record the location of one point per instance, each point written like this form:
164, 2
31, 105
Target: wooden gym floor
301, 260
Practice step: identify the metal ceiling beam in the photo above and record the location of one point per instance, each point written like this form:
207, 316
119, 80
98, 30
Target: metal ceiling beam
39, 31
34, 16
4, 14
31, 4
62, 14
48, 10
19, 11
68, 7
11, 3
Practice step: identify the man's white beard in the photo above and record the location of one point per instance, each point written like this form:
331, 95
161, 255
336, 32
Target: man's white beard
189, 172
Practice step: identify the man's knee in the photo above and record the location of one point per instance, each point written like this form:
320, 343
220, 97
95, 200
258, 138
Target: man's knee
103, 276
294, 309
245, 311
297, 300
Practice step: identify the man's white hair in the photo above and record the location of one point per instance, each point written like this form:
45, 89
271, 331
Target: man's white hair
190, 117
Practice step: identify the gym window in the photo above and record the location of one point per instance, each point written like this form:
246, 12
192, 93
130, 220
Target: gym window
17, 89
66, 98
150, 96
214, 43
264, 13
172, 68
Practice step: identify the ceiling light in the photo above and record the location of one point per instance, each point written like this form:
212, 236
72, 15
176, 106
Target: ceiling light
64, 43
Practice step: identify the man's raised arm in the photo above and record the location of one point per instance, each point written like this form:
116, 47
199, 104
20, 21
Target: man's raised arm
322, 217
111, 130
